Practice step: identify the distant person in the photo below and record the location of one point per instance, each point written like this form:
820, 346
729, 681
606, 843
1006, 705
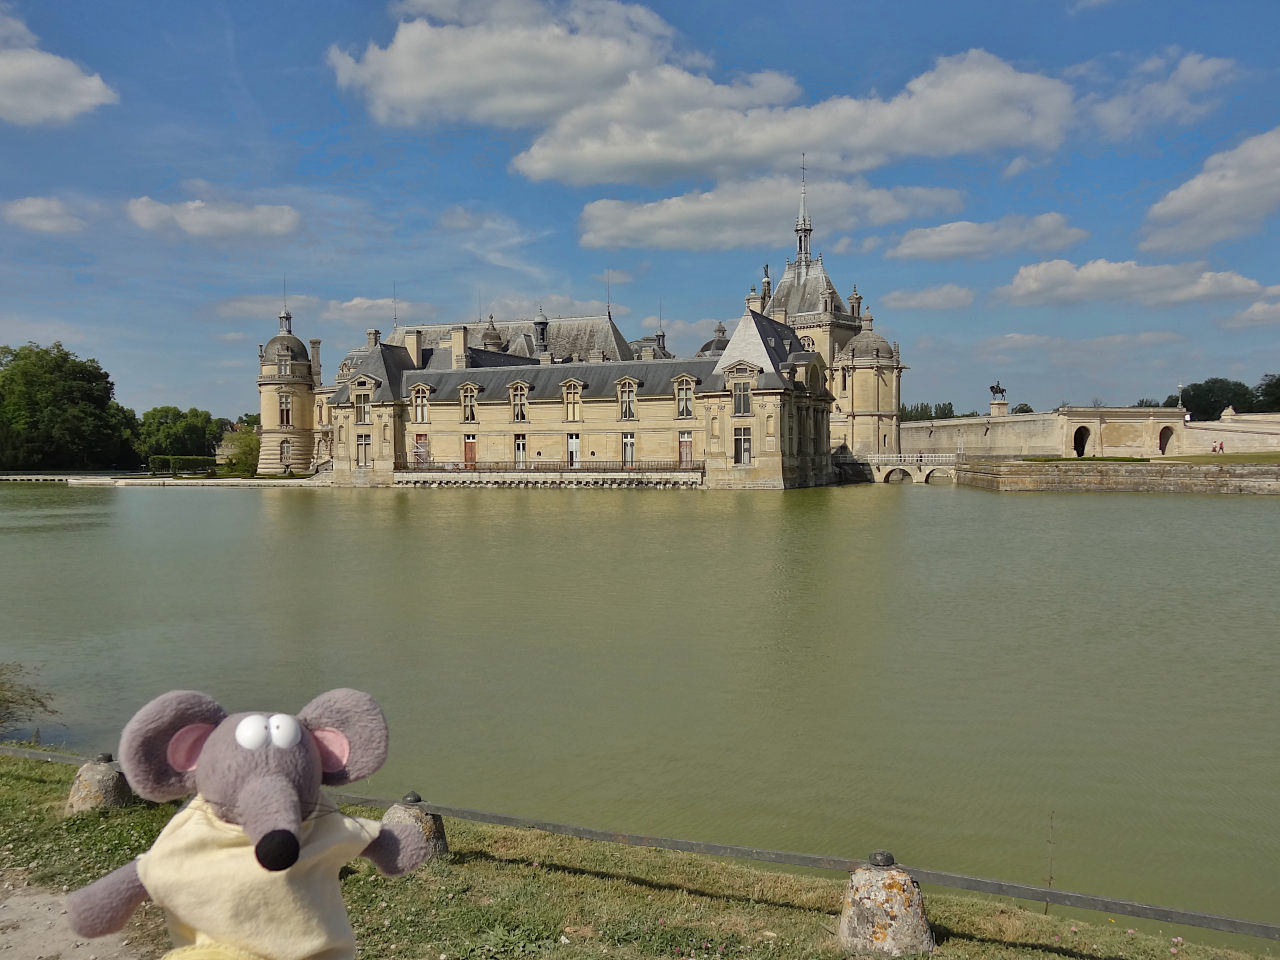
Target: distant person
1222, 446
1215, 446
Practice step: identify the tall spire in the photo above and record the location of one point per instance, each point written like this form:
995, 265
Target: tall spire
804, 226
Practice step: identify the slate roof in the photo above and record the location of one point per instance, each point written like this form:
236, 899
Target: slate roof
654, 378
386, 364
802, 287
293, 346
760, 341
565, 336
866, 344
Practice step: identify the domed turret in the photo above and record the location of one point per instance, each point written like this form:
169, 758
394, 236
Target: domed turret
716, 345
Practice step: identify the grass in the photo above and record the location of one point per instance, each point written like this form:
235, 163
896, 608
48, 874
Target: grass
1259, 457
505, 892
1088, 459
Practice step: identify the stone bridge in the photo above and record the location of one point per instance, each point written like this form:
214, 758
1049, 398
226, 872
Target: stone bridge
900, 467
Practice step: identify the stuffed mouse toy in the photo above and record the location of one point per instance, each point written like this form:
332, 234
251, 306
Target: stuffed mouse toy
248, 869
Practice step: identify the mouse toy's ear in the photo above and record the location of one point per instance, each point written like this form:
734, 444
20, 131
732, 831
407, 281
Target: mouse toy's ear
160, 746
350, 731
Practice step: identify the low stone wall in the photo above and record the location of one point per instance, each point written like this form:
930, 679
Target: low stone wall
1100, 476
687, 479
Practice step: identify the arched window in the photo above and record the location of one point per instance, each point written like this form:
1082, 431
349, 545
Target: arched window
806, 342
468, 396
386, 432
684, 398
519, 403
286, 410
420, 395
573, 401
627, 400
285, 449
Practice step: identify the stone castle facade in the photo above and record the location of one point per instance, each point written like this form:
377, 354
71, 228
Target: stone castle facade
570, 400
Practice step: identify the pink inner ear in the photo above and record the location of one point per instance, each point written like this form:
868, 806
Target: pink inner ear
334, 748
185, 746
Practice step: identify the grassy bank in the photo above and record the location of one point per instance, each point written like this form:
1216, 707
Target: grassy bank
512, 893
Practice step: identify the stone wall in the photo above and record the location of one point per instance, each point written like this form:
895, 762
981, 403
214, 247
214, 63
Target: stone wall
1093, 476
1240, 432
1066, 431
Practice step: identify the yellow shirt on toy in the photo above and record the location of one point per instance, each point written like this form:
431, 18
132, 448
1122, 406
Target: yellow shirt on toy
203, 872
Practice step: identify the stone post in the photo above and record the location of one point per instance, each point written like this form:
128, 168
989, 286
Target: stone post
431, 824
883, 912
999, 408
98, 783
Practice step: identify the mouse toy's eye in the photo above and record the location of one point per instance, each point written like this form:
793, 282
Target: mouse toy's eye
252, 732
285, 731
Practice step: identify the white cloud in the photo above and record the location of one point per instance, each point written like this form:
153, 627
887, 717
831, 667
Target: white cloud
1260, 314
1017, 165
613, 276
509, 64
667, 122
949, 296
43, 215
1066, 352
1143, 102
1231, 197
493, 238
205, 219
40, 87
235, 336
1059, 281
964, 238
751, 213
366, 312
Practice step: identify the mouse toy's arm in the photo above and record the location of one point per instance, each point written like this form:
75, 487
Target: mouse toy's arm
105, 905
398, 848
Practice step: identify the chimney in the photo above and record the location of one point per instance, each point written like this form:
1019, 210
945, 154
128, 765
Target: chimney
413, 343
661, 338
458, 347
372, 338
646, 353
315, 361
754, 300
595, 356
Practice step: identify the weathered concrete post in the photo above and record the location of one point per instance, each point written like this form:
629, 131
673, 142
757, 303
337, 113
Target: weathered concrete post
883, 912
98, 784
431, 824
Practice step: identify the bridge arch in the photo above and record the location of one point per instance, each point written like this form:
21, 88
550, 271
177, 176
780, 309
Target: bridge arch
940, 473
1165, 436
897, 475
1081, 440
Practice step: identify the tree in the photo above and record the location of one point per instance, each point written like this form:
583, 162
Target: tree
19, 701
1022, 408
1266, 395
1147, 402
917, 411
943, 411
1207, 400
58, 412
245, 446
250, 420
167, 431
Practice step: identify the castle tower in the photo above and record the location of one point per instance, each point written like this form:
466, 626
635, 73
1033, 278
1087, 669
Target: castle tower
286, 394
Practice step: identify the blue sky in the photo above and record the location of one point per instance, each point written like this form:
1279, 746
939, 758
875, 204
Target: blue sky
1078, 197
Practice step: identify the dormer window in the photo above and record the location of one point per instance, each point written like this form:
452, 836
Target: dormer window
420, 395
807, 343
519, 403
282, 367
364, 411
684, 398
468, 399
741, 399
627, 400
573, 401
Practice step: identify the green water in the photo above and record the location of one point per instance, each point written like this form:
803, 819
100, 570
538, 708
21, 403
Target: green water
929, 670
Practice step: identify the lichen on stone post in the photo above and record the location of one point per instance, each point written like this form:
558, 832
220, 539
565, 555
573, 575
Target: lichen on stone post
883, 912
98, 783
431, 824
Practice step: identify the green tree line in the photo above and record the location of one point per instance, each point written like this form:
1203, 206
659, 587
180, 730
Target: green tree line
59, 412
1206, 400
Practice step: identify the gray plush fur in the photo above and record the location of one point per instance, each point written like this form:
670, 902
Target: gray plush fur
268, 790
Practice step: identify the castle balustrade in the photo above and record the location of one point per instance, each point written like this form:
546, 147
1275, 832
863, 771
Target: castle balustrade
552, 466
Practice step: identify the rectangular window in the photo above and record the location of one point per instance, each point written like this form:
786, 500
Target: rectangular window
686, 448
364, 413
363, 444
520, 449
742, 399
742, 446
468, 406
519, 412
684, 399
286, 410
420, 406
573, 449
282, 368
573, 401
469, 450
627, 401
628, 450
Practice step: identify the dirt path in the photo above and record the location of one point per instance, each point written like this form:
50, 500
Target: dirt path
33, 926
